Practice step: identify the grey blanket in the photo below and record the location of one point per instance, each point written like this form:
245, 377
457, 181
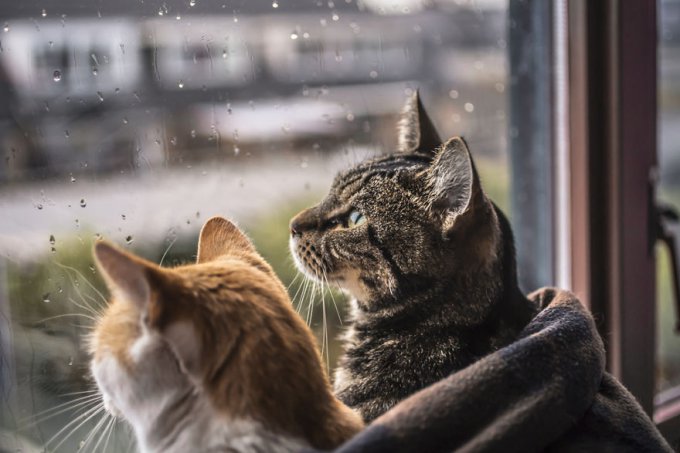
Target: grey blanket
547, 391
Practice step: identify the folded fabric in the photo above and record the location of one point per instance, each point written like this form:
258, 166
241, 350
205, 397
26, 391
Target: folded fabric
547, 391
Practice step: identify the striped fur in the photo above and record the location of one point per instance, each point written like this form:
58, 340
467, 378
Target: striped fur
431, 271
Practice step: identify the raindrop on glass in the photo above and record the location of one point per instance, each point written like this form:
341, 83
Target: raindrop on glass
335, 17
94, 71
180, 84
73, 178
453, 94
56, 75
350, 117
6, 27
193, 133
173, 141
122, 216
237, 151
129, 239
70, 361
224, 54
275, 4
83, 203
43, 13
67, 134
46, 298
178, 17
192, 3
52, 240
100, 95
125, 120
373, 74
294, 36
469, 107
39, 206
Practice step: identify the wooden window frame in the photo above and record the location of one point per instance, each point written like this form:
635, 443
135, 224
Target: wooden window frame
612, 133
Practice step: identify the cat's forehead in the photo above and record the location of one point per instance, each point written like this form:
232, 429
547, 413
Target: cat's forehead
349, 181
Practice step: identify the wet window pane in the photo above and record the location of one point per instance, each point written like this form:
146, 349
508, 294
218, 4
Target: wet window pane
136, 121
668, 340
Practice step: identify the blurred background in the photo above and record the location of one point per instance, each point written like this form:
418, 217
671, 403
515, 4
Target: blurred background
135, 121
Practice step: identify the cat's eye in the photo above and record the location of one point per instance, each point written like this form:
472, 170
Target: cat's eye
355, 218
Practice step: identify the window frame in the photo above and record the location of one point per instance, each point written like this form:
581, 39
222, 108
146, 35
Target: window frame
612, 133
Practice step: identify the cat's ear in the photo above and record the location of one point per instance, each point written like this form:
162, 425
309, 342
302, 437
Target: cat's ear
126, 275
454, 185
218, 237
417, 134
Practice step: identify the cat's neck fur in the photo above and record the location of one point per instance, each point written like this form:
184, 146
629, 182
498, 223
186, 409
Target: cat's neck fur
426, 331
198, 428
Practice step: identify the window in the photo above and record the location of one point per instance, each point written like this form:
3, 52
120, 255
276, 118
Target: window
136, 124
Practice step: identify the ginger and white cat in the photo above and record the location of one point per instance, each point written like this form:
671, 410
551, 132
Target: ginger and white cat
211, 356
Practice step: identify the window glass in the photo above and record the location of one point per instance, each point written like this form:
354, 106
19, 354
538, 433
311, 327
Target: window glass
668, 340
135, 123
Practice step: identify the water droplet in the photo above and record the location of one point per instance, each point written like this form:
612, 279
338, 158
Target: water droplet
129, 239
294, 36
70, 361
335, 17
77, 223
67, 134
101, 96
500, 87
73, 178
275, 4
453, 94
83, 203
173, 141
224, 54
46, 298
125, 120
323, 22
350, 116
237, 151
52, 240
305, 35
193, 133
469, 107
53, 250
95, 71
160, 12
180, 84
192, 3
122, 216
56, 75
373, 74
81, 444
60, 289
43, 13
6, 27
178, 17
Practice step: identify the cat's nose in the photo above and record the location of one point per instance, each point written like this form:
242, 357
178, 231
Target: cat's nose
301, 223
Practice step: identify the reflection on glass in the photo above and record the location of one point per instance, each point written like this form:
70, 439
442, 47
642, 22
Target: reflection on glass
668, 341
136, 125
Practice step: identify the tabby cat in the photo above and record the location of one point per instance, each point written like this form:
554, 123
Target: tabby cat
211, 356
428, 259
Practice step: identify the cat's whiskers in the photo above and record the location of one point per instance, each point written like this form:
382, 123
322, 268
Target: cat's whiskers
42, 416
167, 250
91, 318
77, 272
91, 435
82, 418
110, 428
330, 291
106, 422
85, 307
